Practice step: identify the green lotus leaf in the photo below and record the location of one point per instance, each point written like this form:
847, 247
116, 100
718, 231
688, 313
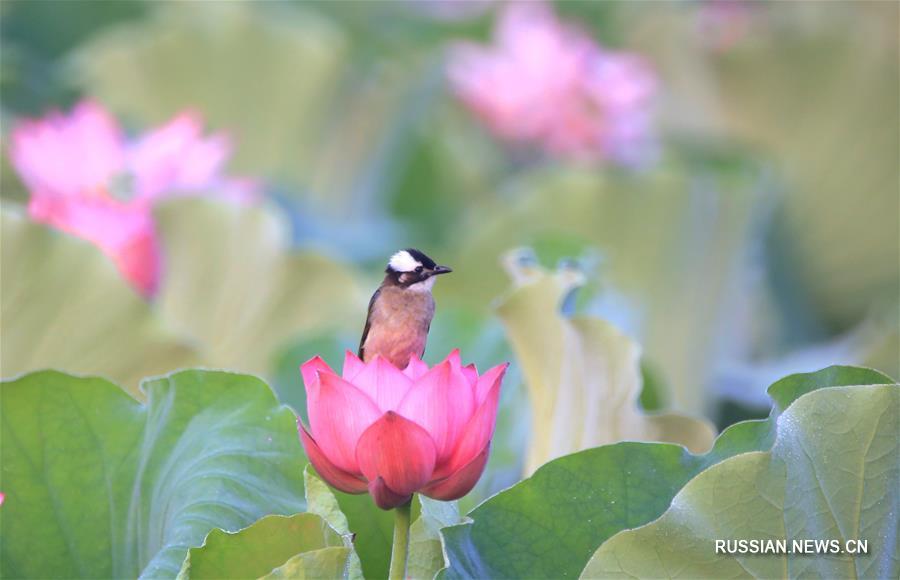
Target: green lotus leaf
372, 529
324, 563
426, 552
264, 546
64, 305
583, 376
833, 473
99, 485
365, 527
320, 500
369, 529
232, 285
549, 525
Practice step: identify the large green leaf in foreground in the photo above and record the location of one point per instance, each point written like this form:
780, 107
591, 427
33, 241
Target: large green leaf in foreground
316, 544
63, 305
833, 473
313, 547
548, 525
232, 284
98, 485
583, 375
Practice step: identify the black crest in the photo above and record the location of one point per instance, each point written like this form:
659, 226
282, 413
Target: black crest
421, 257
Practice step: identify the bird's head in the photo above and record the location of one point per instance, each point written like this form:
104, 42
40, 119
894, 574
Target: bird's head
412, 269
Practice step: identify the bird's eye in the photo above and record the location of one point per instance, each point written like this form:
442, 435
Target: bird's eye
418, 269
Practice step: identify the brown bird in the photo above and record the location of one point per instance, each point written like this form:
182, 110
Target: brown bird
401, 310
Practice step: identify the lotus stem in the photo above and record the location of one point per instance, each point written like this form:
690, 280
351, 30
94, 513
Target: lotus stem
400, 549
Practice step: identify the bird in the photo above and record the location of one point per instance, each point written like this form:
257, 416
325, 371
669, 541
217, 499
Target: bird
401, 309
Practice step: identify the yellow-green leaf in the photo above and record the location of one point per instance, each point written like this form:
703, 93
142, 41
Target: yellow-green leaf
64, 305
365, 528
234, 287
670, 241
260, 548
583, 375
317, 565
426, 550
320, 500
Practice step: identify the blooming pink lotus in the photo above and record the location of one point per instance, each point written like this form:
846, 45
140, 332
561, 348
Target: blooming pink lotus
86, 179
395, 432
548, 83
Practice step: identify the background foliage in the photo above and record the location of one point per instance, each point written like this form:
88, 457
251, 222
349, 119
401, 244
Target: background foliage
760, 241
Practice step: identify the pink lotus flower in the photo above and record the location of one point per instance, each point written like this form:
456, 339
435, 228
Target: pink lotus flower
548, 83
86, 179
395, 432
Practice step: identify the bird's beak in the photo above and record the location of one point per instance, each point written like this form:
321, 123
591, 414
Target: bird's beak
441, 270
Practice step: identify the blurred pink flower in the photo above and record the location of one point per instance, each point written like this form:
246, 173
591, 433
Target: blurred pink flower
86, 179
393, 433
723, 24
548, 83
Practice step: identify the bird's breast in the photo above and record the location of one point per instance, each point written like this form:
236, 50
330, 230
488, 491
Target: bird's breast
399, 324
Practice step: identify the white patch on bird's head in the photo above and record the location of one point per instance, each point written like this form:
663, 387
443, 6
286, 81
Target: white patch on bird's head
423, 286
403, 261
